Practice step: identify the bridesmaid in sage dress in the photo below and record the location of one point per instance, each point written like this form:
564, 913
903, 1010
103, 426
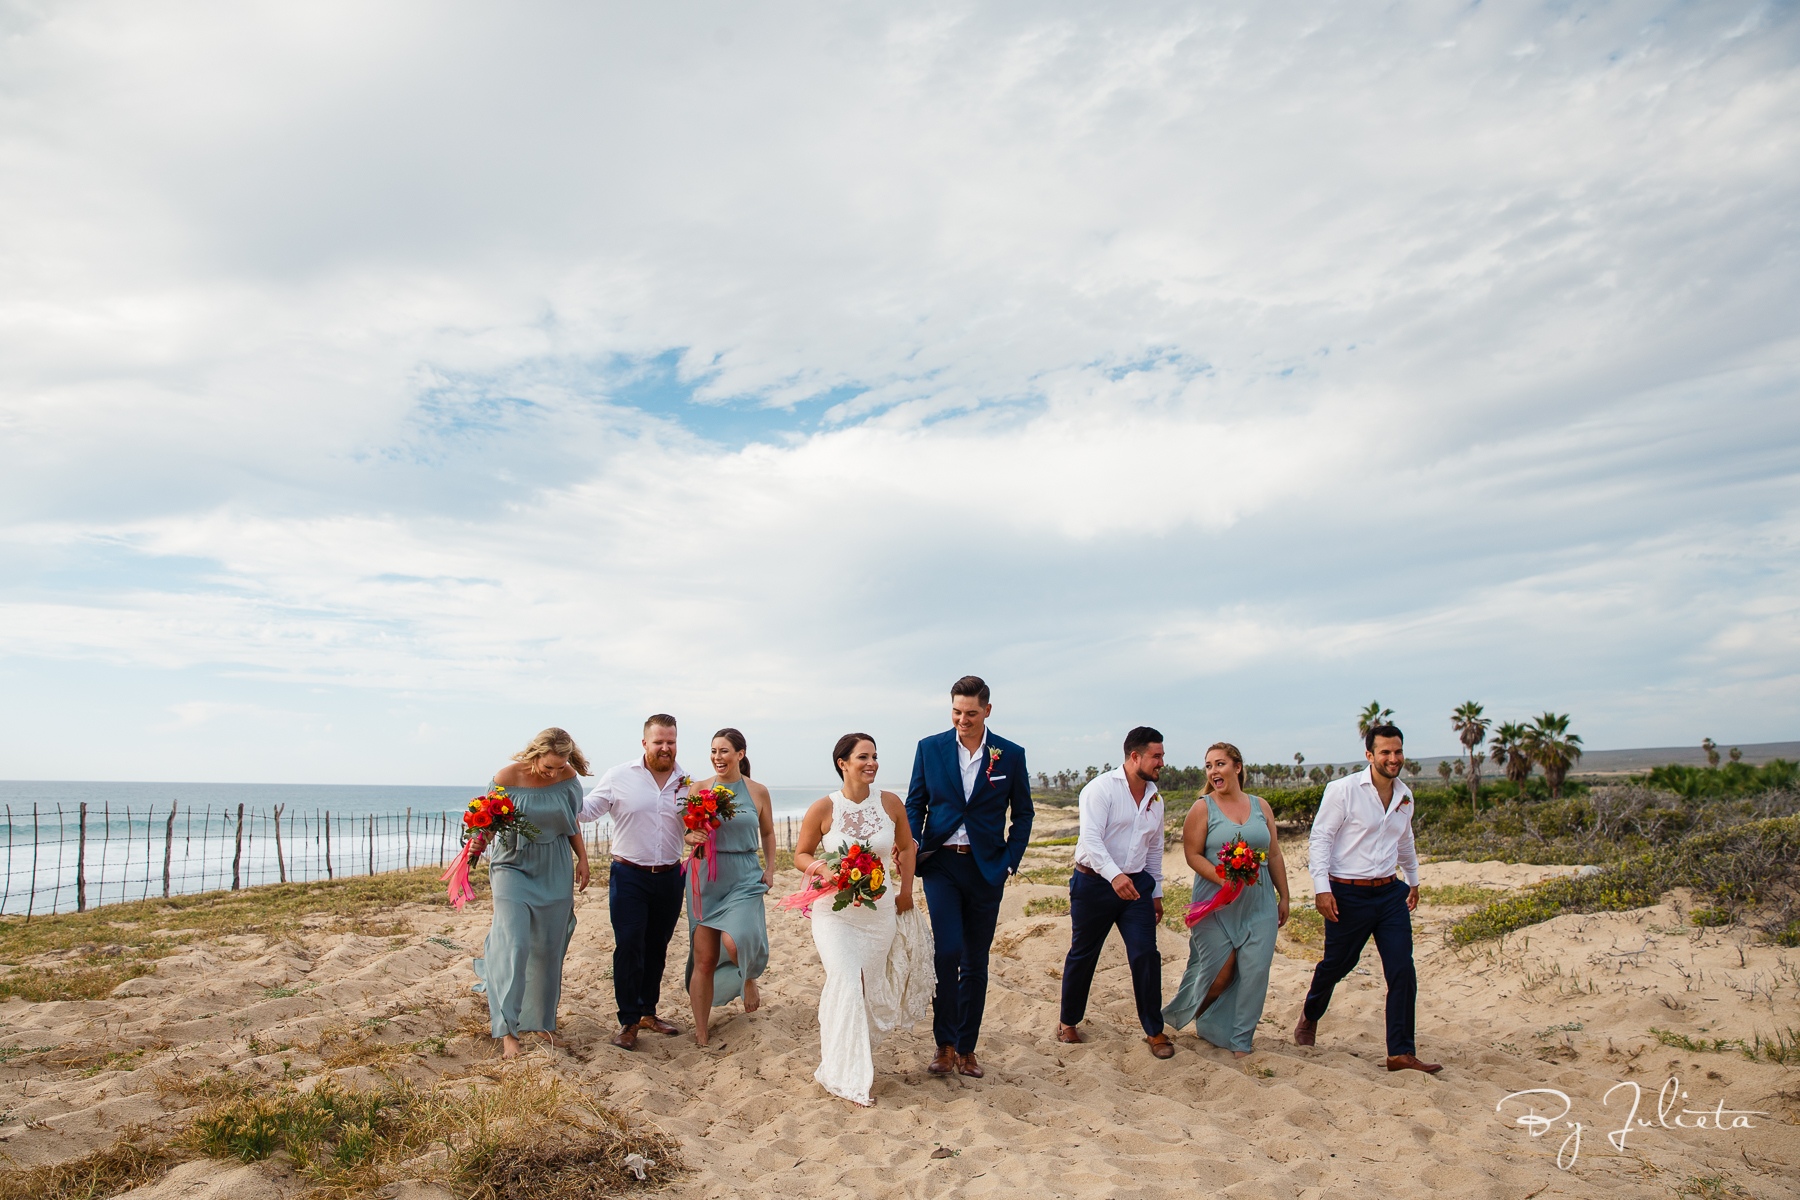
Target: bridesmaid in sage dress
534, 886
1230, 949
728, 932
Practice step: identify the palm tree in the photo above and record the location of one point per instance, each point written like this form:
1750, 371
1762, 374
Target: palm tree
1552, 747
1444, 769
1712, 752
1412, 768
1372, 715
1737, 755
1509, 751
1472, 728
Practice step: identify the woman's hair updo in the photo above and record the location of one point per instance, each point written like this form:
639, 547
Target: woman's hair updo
739, 744
554, 741
846, 746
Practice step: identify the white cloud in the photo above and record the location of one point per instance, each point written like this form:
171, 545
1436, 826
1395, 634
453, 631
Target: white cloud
1139, 355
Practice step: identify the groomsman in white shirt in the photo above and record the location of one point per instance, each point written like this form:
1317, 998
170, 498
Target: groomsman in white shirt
1118, 883
1363, 829
643, 892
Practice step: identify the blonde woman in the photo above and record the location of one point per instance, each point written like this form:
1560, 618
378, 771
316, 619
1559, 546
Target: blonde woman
1230, 949
534, 885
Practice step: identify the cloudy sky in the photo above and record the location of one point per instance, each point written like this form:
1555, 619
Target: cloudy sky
379, 384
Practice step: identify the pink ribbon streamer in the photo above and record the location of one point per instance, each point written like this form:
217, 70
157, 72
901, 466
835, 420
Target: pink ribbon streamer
461, 890
692, 867
1225, 895
803, 898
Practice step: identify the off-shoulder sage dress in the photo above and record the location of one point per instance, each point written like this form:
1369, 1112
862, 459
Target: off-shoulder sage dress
534, 912
1246, 925
733, 903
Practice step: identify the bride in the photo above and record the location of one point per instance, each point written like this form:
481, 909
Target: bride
879, 973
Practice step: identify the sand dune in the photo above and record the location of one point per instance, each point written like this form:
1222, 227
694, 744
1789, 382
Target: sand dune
1569, 1007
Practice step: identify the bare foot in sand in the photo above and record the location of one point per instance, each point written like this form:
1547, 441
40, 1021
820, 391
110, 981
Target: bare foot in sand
1241, 1053
509, 1046
752, 997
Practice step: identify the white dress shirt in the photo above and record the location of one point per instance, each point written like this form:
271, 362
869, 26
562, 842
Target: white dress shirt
647, 826
970, 761
1356, 837
1119, 836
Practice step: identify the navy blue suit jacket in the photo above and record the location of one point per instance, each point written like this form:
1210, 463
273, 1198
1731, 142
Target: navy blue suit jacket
935, 804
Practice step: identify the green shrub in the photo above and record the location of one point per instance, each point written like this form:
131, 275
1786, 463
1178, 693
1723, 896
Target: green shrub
1738, 866
1053, 905
1711, 917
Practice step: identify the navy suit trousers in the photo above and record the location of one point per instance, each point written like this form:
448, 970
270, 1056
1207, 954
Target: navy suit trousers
1094, 910
964, 910
645, 907
1381, 913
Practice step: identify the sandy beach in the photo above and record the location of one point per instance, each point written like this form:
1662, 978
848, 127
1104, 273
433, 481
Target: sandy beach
1568, 1005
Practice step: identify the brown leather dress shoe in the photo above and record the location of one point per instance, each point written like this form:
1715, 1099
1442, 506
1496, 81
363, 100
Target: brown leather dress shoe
1068, 1033
945, 1062
966, 1065
626, 1038
658, 1025
1304, 1031
1161, 1046
1408, 1062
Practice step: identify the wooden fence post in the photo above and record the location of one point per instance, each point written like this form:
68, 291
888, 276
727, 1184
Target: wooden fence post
328, 874
409, 837
443, 834
31, 900
371, 844
168, 847
6, 888
280, 862
237, 855
81, 862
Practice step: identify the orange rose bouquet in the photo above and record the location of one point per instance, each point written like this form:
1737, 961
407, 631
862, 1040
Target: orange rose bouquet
1240, 866
704, 810
488, 818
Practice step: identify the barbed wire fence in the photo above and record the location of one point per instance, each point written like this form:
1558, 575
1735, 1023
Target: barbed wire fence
71, 861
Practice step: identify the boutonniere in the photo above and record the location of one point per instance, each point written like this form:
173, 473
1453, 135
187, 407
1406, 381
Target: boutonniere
1405, 800
993, 760
682, 784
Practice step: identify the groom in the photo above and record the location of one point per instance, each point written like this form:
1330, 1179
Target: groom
963, 783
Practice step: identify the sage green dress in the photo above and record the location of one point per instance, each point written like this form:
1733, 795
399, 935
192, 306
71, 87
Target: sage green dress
1246, 925
733, 903
534, 912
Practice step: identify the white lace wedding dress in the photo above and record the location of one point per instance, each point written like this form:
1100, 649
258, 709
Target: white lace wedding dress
879, 974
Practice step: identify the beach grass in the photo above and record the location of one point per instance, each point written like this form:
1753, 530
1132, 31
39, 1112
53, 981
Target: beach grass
106, 946
1458, 893
1738, 868
137, 1157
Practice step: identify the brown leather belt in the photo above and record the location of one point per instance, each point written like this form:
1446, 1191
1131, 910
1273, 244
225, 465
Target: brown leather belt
1086, 870
653, 870
962, 849
1364, 882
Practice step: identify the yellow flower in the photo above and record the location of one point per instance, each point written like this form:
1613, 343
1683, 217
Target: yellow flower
875, 877
855, 874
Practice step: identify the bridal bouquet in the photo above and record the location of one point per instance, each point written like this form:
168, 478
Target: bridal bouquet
856, 876
1241, 867
491, 817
